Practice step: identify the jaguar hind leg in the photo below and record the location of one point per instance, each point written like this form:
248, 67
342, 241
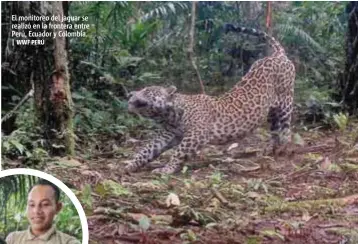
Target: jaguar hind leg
280, 119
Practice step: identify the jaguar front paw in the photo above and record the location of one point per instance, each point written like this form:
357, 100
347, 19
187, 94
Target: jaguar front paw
131, 167
167, 170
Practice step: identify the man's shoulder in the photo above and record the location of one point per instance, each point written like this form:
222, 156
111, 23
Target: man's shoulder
15, 236
67, 238
19, 232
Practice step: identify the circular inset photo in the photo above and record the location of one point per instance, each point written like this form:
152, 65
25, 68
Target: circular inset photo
35, 207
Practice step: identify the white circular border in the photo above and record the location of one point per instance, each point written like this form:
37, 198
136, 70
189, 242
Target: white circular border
62, 186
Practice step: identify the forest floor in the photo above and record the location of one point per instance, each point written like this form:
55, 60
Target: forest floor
234, 194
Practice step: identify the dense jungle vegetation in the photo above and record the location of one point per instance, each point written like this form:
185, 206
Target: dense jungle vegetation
130, 45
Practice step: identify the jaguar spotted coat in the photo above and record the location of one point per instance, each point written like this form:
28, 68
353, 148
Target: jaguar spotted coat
191, 121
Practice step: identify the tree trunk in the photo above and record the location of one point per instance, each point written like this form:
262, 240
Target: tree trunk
252, 10
268, 24
349, 79
60, 102
45, 70
40, 67
191, 45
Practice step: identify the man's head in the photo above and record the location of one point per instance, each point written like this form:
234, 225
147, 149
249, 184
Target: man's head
42, 206
151, 101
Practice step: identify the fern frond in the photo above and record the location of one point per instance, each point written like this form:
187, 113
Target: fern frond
16, 186
165, 9
289, 29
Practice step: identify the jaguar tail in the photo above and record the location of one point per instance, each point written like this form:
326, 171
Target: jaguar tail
272, 41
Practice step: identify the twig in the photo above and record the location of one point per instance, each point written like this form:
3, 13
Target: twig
98, 217
268, 24
191, 45
219, 196
23, 100
313, 149
333, 225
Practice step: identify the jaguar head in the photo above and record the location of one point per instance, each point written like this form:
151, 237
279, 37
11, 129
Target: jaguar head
151, 101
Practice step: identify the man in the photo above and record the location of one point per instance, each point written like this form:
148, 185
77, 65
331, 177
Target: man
42, 206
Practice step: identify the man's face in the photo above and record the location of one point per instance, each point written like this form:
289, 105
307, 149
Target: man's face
41, 208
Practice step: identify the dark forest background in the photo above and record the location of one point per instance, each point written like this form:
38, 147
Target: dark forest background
64, 103
133, 44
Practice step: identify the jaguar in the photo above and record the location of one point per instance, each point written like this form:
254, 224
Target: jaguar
188, 122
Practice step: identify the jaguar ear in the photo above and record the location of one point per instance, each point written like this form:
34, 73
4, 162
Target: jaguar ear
130, 94
171, 90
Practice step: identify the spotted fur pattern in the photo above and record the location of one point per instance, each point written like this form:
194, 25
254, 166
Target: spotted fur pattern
192, 121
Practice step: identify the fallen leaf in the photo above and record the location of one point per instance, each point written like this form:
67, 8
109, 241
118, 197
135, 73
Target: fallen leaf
147, 186
252, 194
297, 139
272, 233
232, 146
351, 199
91, 173
172, 200
326, 163
191, 235
314, 156
306, 216
115, 147
68, 162
162, 219
213, 206
228, 160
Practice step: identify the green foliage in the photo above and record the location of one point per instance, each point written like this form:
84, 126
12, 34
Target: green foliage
109, 187
24, 144
314, 34
86, 197
148, 47
341, 121
96, 115
272, 234
26, 141
135, 44
165, 11
13, 198
315, 103
117, 51
216, 178
68, 219
287, 30
256, 185
188, 237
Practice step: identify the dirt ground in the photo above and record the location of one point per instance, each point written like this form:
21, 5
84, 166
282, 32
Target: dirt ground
232, 194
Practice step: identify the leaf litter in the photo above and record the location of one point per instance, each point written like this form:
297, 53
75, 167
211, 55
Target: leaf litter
233, 194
